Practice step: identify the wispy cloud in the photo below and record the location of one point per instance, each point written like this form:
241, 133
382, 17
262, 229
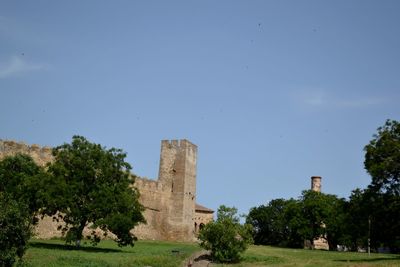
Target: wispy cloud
324, 98
314, 98
17, 66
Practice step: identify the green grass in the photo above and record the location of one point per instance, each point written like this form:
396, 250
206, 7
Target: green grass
272, 256
157, 253
107, 253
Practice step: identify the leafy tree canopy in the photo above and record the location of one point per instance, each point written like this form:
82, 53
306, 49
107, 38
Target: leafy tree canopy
92, 186
15, 229
21, 198
21, 179
290, 222
382, 158
269, 224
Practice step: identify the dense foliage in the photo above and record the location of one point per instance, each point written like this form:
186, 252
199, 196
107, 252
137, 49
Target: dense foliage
289, 222
15, 229
382, 159
93, 187
21, 198
370, 214
23, 180
226, 238
382, 162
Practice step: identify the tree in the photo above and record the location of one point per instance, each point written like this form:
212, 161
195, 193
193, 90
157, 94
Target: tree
23, 180
269, 224
315, 210
336, 222
93, 187
21, 197
382, 162
15, 229
382, 158
296, 223
358, 213
226, 238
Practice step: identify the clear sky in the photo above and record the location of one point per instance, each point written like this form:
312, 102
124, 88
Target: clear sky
272, 92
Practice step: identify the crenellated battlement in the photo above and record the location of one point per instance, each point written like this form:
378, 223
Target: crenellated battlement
179, 145
143, 183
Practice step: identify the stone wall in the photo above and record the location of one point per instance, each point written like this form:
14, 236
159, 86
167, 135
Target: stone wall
41, 155
169, 201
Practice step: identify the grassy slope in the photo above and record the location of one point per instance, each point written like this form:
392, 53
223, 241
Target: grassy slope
107, 253
155, 253
271, 256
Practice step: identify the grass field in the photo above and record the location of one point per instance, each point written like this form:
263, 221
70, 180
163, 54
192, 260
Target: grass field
271, 256
163, 254
107, 253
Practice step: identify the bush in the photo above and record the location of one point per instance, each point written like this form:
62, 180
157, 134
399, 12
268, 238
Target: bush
226, 238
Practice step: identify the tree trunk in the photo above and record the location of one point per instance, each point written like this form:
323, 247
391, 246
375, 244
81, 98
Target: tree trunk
79, 233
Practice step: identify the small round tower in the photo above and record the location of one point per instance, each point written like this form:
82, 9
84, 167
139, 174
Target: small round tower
316, 183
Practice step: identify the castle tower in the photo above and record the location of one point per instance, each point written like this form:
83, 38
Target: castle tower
178, 166
316, 183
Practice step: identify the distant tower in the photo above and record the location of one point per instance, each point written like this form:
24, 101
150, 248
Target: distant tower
316, 183
320, 242
178, 164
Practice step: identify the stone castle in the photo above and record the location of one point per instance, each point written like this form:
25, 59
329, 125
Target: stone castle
170, 204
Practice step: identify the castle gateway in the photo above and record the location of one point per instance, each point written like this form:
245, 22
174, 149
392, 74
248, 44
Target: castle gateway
170, 205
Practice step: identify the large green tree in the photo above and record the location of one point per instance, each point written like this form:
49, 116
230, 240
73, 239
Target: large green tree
21, 198
24, 181
226, 238
325, 216
270, 226
382, 162
93, 187
382, 158
290, 222
15, 229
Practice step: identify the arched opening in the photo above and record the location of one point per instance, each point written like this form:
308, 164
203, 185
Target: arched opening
201, 226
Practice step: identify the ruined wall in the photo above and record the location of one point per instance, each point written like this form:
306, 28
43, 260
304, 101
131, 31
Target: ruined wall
41, 155
169, 201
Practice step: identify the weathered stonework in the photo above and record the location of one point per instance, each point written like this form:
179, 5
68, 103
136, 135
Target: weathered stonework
170, 202
316, 183
203, 216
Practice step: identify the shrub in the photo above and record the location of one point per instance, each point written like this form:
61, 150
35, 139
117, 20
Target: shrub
226, 238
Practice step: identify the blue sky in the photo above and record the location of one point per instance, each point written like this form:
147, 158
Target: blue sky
272, 92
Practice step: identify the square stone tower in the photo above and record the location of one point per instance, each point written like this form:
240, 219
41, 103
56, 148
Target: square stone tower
178, 167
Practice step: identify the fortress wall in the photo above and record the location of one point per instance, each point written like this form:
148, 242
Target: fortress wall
41, 155
169, 202
152, 197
